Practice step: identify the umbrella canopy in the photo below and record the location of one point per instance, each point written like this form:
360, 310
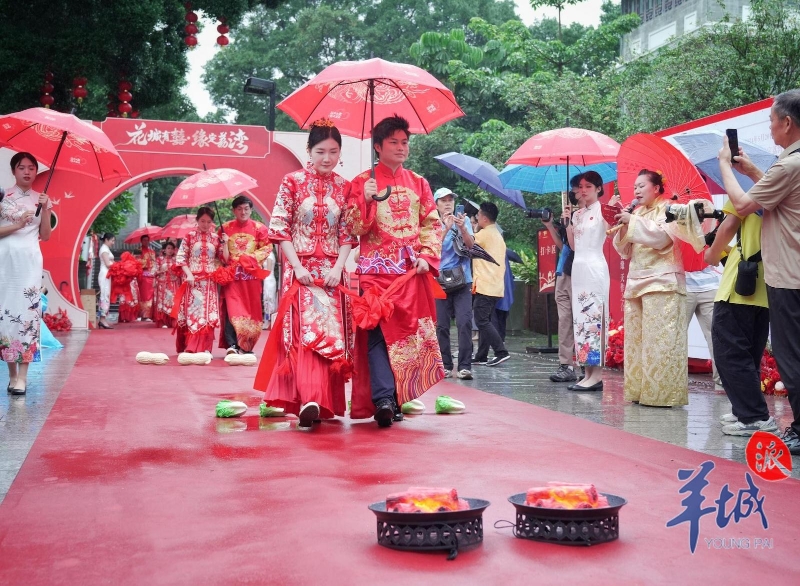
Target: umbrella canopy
135, 236
702, 148
357, 94
682, 181
566, 146
178, 227
63, 141
208, 186
551, 178
481, 174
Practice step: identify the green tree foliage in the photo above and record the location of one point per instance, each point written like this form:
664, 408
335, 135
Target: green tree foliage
141, 40
558, 5
300, 38
113, 217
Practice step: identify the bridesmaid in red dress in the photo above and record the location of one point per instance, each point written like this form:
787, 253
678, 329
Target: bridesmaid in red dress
307, 221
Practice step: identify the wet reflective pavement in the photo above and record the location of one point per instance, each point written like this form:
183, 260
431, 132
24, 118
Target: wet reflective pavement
525, 378
695, 426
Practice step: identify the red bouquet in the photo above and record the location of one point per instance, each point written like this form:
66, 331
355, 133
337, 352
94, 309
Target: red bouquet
122, 273
224, 275
615, 352
58, 322
771, 383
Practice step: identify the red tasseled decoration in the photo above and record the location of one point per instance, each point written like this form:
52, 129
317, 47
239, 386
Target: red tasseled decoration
342, 367
288, 365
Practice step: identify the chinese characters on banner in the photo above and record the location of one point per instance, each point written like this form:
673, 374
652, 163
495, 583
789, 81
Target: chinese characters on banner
188, 137
548, 258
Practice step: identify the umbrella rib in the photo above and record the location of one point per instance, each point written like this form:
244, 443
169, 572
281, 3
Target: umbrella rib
393, 84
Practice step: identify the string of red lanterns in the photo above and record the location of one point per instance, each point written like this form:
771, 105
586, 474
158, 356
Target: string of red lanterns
223, 29
125, 98
46, 99
191, 28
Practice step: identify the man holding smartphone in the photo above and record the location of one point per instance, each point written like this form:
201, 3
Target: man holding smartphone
455, 277
777, 192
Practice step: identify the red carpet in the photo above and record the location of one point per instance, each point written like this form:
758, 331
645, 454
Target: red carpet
132, 481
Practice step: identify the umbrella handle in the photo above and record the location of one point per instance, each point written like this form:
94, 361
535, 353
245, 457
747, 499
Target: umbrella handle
384, 197
52, 169
371, 88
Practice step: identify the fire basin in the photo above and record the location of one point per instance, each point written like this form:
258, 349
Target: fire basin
445, 530
568, 526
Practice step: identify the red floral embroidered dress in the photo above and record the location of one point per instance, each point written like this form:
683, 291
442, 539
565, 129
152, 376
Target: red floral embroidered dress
168, 279
393, 234
198, 312
241, 298
317, 332
146, 282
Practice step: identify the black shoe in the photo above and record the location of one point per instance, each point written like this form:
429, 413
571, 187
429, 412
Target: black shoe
103, 326
792, 441
595, 387
384, 413
398, 413
498, 360
17, 391
564, 374
480, 361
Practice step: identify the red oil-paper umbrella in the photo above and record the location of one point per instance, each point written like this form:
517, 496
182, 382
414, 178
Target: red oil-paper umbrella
178, 227
682, 180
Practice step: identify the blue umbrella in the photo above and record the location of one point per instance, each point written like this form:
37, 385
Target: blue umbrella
481, 174
551, 178
702, 148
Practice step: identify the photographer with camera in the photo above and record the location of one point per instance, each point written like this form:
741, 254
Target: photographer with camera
455, 277
656, 344
777, 192
740, 327
566, 335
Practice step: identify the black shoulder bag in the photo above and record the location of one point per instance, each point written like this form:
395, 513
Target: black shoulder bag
747, 274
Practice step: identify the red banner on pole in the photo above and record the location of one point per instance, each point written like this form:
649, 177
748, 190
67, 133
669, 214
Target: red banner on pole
548, 259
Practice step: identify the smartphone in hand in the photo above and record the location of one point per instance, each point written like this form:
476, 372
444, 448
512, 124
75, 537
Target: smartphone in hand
733, 142
459, 209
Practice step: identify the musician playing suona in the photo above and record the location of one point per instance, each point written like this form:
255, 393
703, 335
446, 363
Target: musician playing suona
241, 310
400, 238
656, 343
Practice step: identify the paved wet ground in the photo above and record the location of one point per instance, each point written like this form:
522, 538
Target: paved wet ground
524, 377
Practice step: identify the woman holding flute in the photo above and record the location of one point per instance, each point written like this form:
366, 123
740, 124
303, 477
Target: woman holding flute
655, 300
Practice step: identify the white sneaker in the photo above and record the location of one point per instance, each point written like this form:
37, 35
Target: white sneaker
748, 429
231, 350
728, 418
464, 374
448, 373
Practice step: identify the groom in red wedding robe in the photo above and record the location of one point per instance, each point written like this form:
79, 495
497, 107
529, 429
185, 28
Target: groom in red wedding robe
397, 355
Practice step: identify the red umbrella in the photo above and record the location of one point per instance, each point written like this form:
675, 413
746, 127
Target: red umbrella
210, 185
178, 227
682, 181
574, 146
350, 92
354, 94
47, 134
136, 235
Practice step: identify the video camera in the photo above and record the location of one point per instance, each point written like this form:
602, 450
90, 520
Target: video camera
544, 214
676, 210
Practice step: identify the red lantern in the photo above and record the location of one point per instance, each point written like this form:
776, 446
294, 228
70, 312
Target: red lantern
223, 29
125, 108
191, 17
46, 99
222, 40
190, 41
125, 96
191, 29
125, 86
79, 92
135, 114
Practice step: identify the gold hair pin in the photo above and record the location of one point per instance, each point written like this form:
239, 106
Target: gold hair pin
323, 122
